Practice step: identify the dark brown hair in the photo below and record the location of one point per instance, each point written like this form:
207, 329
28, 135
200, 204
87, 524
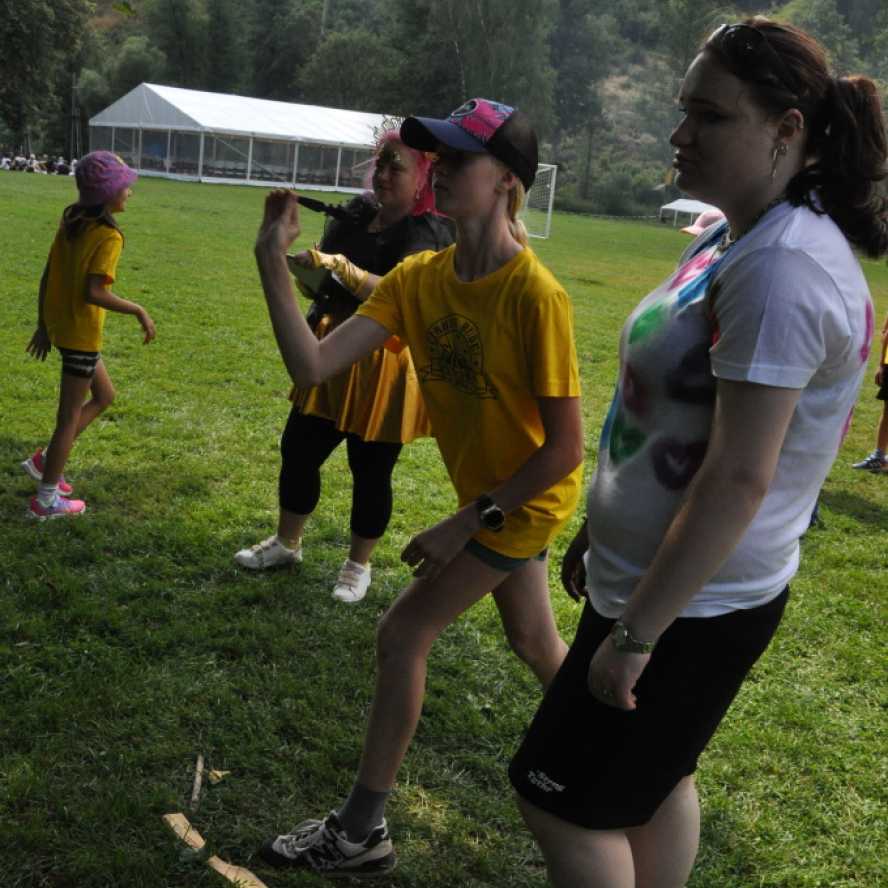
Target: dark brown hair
76, 217
846, 142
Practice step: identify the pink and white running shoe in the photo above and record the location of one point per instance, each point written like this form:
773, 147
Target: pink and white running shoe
33, 465
60, 507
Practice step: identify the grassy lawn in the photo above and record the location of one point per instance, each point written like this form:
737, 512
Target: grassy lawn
130, 642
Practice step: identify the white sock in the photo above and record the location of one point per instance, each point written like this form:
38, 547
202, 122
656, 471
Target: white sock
46, 494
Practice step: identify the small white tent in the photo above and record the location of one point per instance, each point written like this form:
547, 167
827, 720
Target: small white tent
185, 133
684, 206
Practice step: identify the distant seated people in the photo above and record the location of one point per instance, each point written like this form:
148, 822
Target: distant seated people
5, 163
61, 167
877, 461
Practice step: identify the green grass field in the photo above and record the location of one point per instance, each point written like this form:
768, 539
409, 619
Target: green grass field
129, 641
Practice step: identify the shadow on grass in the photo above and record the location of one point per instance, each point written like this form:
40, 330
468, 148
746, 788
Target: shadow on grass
857, 507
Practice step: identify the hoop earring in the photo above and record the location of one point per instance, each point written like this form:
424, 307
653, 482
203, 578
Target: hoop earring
778, 152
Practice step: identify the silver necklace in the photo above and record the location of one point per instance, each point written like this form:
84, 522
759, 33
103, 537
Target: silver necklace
728, 239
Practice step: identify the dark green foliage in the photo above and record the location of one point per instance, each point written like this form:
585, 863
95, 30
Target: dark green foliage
598, 77
38, 40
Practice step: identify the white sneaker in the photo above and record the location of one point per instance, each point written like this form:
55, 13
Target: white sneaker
269, 553
351, 585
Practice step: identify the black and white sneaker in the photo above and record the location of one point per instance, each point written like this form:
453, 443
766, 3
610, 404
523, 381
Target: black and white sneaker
876, 462
322, 846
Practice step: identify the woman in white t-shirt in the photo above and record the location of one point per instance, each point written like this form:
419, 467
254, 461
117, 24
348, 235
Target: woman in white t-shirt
737, 379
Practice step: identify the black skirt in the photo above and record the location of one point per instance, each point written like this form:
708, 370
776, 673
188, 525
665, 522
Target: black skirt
605, 768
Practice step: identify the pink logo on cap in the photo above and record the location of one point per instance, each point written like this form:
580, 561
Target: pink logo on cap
481, 118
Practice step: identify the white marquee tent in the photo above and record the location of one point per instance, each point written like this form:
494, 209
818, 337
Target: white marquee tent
685, 206
185, 133
212, 137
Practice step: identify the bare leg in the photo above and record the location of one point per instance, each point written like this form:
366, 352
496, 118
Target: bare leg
71, 395
291, 525
577, 857
664, 849
102, 398
361, 549
526, 612
406, 633
882, 433
659, 854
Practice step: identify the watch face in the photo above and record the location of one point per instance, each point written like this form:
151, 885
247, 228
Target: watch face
493, 518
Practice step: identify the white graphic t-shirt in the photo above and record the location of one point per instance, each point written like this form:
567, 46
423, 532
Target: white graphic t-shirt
786, 306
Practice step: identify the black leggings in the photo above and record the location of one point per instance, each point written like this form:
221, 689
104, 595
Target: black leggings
305, 445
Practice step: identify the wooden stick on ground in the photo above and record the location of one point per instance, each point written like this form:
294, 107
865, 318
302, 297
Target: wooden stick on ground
198, 780
241, 877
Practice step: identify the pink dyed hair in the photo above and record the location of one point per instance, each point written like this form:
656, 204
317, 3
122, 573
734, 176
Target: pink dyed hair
425, 201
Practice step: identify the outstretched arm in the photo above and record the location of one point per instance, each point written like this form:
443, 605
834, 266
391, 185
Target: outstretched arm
308, 361
97, 293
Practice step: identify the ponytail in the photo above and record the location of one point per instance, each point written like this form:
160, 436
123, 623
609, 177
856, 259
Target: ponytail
517, 228
848, 144
847, 149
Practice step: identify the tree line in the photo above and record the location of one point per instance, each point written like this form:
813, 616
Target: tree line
598, 77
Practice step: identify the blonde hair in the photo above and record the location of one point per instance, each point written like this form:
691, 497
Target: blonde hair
517, 197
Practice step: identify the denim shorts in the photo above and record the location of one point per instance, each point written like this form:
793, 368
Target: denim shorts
496, 560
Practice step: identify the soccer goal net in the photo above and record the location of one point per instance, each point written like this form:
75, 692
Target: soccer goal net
537, 215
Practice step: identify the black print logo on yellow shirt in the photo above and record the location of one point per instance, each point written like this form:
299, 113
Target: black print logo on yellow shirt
457, 356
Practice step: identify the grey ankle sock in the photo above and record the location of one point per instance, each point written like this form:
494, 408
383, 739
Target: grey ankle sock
46, 494
362, 811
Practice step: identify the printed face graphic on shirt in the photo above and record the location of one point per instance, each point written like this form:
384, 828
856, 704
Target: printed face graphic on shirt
457, 357
683, 377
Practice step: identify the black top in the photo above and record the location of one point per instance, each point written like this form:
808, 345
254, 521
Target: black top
377, 252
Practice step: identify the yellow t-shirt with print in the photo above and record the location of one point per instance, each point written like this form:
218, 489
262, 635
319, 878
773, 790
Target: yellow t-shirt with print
484, 351
70, 320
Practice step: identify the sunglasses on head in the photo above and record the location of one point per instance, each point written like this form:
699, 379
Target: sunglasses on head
751, 53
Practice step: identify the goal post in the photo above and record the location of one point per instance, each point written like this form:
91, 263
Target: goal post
537, 213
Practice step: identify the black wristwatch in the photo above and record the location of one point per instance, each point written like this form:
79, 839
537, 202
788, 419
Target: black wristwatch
624, 640
491, 515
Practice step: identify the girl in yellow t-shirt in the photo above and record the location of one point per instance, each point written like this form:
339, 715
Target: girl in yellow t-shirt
490, 331
71, 307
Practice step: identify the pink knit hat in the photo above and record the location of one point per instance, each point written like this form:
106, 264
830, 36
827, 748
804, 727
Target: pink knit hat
100, 175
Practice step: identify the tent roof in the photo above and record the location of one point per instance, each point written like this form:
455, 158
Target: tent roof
152, 106
686, 205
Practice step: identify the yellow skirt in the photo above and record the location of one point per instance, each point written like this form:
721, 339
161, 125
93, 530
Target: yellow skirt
377, 399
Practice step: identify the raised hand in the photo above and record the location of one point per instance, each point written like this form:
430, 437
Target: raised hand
280, 222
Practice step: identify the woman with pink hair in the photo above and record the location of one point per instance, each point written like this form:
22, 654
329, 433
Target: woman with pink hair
374, 406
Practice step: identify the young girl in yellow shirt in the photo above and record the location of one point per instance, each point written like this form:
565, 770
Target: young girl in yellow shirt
72, 302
